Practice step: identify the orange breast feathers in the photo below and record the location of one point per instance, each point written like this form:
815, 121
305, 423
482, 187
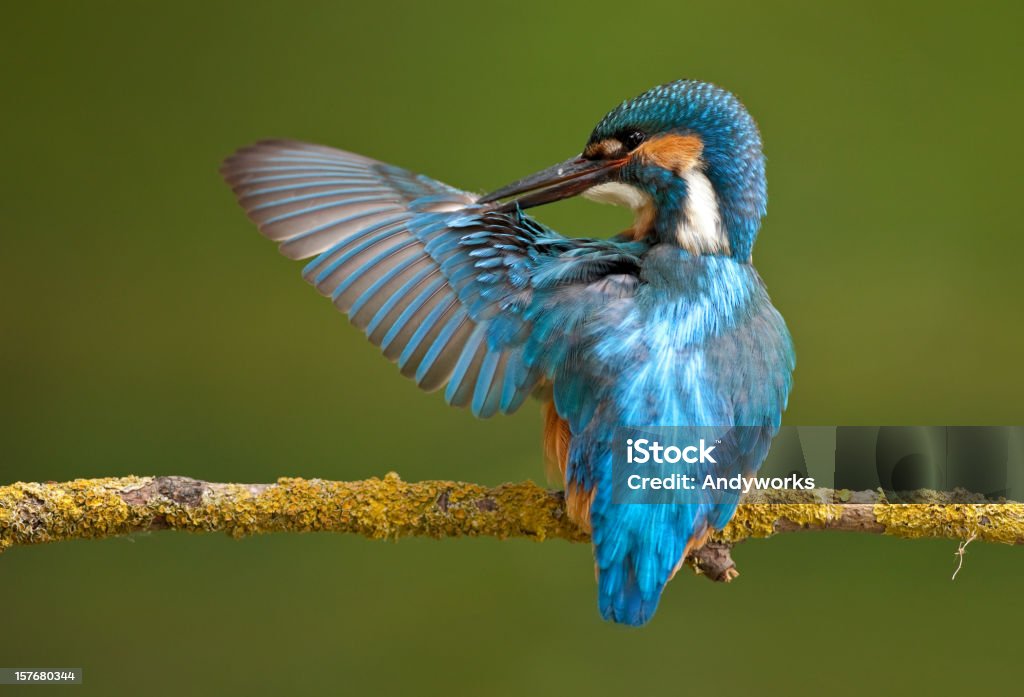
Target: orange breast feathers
556, 454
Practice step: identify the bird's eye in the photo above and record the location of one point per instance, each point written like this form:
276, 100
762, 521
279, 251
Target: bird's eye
632, 139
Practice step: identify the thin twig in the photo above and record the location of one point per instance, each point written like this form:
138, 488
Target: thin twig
960, 553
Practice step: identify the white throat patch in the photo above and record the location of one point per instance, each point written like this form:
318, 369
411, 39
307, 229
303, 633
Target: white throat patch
618, 194
701, 230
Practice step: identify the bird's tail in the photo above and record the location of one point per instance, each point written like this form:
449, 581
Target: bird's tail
620, 597
639, 553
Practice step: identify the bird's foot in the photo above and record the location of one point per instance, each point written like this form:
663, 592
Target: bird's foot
714, 560
728, 575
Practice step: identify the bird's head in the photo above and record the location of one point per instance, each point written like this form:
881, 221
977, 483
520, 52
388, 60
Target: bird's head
685, 156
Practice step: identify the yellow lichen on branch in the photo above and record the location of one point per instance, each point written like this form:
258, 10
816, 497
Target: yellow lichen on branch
34, 513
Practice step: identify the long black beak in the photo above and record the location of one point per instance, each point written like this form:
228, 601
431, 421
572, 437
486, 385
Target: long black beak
569, 178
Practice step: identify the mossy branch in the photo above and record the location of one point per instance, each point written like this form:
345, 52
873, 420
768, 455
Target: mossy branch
389, 508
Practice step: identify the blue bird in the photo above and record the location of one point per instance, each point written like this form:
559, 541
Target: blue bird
666, 324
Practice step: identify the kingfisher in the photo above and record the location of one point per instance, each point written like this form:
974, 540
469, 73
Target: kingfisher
665, 324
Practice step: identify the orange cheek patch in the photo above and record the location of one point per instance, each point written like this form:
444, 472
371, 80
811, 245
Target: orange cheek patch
673, 152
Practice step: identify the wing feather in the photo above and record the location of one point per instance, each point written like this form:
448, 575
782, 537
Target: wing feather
448, 289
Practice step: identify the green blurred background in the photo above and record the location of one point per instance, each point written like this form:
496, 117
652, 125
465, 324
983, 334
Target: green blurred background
147, 329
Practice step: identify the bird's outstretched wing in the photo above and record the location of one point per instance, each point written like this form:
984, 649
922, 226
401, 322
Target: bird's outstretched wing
456, 293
